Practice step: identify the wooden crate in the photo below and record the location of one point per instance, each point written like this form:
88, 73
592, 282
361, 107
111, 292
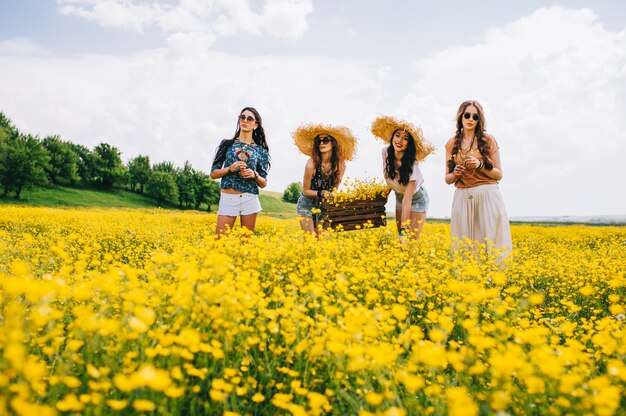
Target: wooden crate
352, 215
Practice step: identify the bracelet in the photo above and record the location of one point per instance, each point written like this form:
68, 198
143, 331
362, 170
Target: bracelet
480, 166
256, 175
402, 232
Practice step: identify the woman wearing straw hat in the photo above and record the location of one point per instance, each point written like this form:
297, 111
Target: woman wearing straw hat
406, 148
329, 147
242, 164
473, 166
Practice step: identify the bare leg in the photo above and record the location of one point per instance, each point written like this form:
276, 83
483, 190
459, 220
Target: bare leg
249, 221
399, 220
417, 222
224, 222
307, 224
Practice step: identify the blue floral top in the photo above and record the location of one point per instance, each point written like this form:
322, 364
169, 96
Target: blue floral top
257, 159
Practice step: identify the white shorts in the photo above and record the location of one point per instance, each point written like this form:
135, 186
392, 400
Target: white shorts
233, 205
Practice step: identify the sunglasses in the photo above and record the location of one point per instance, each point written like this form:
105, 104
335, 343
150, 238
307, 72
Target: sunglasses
474, 117
248, 118
324, 140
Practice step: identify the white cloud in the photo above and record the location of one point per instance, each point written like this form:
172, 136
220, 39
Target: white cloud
554, 85
20, 47
206, 20
178, 106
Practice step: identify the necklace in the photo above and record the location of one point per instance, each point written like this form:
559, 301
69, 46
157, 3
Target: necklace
464, 153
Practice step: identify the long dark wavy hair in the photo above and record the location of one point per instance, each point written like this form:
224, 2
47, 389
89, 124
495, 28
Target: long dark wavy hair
258, 136
337, 165
483, 145
406, 167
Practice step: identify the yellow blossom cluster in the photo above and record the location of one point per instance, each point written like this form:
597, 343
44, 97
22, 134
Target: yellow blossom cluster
360, 190
133, 311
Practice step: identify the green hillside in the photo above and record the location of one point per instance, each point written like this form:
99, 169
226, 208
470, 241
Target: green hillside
72, 197
272, 203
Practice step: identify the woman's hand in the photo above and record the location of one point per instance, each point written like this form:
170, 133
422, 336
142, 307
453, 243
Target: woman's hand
458, 171
237, 166
247, 173
472, 163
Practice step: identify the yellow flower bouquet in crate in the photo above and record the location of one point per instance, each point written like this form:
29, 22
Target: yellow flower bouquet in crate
359, 204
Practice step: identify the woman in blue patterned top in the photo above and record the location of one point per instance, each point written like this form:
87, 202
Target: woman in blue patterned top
329, 147
242, 164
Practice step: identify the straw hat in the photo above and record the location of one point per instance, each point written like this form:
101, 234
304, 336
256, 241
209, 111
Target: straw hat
384, 126
304, 136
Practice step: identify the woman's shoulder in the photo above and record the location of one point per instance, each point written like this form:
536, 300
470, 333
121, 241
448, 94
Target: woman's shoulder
491, 140
261, 149
310, 165
450, 142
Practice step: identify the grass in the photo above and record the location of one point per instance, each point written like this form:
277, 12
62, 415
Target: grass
271, 202
74, 197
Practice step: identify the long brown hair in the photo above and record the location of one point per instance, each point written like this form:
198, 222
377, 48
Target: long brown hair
408, 159
337, 165
258, 136
483, 145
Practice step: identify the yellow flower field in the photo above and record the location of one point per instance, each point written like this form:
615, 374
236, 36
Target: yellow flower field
128, 311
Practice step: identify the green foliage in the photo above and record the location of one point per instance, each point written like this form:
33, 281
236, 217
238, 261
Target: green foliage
162, 186
207, 191
109, 168
292, 192
23, 162
186, 188
139, 172
86, 164
63, 166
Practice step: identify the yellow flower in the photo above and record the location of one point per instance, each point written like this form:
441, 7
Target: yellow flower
117, 404
142, 405
258, 398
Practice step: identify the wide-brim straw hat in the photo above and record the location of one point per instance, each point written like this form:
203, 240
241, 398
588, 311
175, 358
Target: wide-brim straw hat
304, 138
384, 126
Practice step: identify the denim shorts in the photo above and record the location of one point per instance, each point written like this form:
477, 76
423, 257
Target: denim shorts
305, 204
419, 203
233, 205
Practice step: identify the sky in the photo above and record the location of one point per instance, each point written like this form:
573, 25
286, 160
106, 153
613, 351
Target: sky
167, 79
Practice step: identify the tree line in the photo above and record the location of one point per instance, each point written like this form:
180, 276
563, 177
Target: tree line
27, 161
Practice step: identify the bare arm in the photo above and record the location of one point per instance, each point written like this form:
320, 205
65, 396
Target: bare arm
309, 170
494, 154
451, 177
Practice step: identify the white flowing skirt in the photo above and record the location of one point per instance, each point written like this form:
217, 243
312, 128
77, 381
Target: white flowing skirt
478, 213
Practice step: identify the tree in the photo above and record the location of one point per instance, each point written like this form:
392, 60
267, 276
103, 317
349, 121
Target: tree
167, 167
109, 168
23, 162
6, 127
162, 187
63, 166
207, 191
292, 192
86, 163
186, 188
139, 172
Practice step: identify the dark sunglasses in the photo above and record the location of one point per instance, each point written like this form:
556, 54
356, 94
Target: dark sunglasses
324, 140
474, 117
244, 118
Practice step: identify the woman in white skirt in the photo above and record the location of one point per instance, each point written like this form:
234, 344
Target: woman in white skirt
473, 166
